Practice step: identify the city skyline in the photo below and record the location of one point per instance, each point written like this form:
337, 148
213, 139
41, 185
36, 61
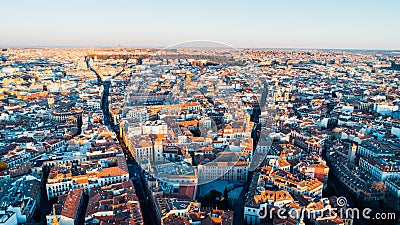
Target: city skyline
200, 112
285, 24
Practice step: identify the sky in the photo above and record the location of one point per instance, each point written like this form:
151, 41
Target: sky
339, 24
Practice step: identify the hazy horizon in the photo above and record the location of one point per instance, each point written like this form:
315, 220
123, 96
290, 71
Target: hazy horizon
161, 47
290, 24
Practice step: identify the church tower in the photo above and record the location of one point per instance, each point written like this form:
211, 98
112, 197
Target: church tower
55, 220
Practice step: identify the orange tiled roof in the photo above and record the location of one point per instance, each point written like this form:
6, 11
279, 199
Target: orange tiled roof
113, 171
72, 202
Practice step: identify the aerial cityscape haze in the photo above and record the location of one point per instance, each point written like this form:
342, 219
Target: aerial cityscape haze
341, 24
200, 112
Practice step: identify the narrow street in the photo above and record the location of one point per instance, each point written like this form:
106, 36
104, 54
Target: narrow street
133, 166
238, 207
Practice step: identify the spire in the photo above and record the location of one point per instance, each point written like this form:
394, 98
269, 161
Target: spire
55, 220
149, 163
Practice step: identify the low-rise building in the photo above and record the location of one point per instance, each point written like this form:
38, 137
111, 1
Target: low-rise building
86, 175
